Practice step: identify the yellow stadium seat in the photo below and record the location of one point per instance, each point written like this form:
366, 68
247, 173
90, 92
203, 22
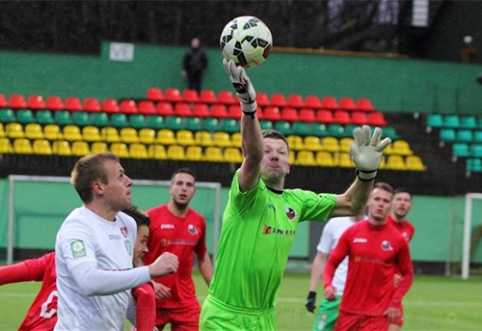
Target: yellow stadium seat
138, 151
203, 138
325, 159
194, 153
99, 147
345, 144
5, 146
22, 146
91, 133
34, 131
305, 158
295, 142
236, 139
42, 147
176, 152
213, 154
185, 138
312, 143
80, 148
120, 149
61, 147
2, 131
52, 132
395, 162
147, 136
331, 144
292, 159
166, 137
414, 163
157, 152
345, 160
222, 139
233, 155
72, 133
14, 131
400, 147
129, 136
110, 134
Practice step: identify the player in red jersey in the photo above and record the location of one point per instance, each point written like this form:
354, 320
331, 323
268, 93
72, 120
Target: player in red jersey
178, 229
376, 252
401, 205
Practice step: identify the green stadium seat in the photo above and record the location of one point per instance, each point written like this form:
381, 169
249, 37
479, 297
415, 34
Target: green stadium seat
336, 130
137, 121
474, 165
301, 128
155, 122
435, 120
119, 120
319, 129
211, 124
25, 116
174, 123
193, 124
389, 131
284, 127
476, 150
468, 122
451, 121
464, 136
81, 118
460, 150
478, 136
44, 117
7, 116
447, 135
348, 130
100, 119
230, 125
265, 124
62, 117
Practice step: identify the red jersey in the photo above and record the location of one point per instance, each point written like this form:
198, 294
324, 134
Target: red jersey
375, 254
145, 307
182, 236
406, 228
42, 314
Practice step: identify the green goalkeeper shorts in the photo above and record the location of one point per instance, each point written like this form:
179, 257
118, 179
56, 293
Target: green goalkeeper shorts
327, 315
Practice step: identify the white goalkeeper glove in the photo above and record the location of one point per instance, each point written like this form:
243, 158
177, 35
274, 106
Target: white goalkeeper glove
244, 88
367, 151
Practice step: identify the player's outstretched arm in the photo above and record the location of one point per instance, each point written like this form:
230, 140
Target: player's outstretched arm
252, 140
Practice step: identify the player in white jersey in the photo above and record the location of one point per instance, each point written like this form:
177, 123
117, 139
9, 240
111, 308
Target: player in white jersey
94, 250
328, 310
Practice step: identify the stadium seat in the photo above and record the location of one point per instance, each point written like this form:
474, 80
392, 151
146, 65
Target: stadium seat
3, 101
5, 146
262, 99
365, 104
359, 118
222, 139
166, 137
74, 104
295, 101
155, 94
234, 111
36, 102
185, 138
395, 162
190, 96
336, 130
414, 163
110, 106
138, 151
348, 104
345, 161
155, 122
110, 134
165, 109
318, 129
376, 119
213, 154
193, 124
307, 115
312, 143
52, 132
55, 103
272, 113
211, 124
81, 118
229, 125
389, 131
313, 101
80, 148
435, 121
464, 135
174, 123
176, 152
451, 121
34, 131
289, 114
14, 130
22, 146
325, 159
284, 127
182, 109
460, 150
477, 136
208, 97
219, 111
7, 116
91, 133
468, 122
137, 121
301, 128
476, 150
266, 125
194, 153
474, 165
201, 110
227, 97
330, 103
2, 131
25, 116
128, 107
295, 142
128, 135
203, 138
146, 107
341, 117
331, 144
305, 158
324, 116
236, 139
345, 144
41, 147
447, 135
173, 94
157, 152
62, 117
17, 101
61, 148
100, 119
120, 149
278, 100
71, 133
99, 147
147, 136
401, 147
232, 155
119, 120
91, 105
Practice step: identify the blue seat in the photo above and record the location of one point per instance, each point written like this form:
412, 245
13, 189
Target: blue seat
473, 165
435, 120
451, 121
447, 135
478, 136
460, 150
476, 150
468, 122
464, 135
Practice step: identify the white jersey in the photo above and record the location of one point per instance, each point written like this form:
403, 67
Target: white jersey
329, 238
90, 253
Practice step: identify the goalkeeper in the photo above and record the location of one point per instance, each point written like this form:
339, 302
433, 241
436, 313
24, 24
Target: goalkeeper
261, 218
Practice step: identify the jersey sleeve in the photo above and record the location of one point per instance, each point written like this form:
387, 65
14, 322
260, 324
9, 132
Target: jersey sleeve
406, 270
336, 256
243, 200
145, 307
200, 247
28, 270
316, 207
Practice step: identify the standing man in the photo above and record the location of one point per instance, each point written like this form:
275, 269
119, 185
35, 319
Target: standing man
261, 217
328, 311
180, 230
401, 205
194, 63
376, 252
94, 250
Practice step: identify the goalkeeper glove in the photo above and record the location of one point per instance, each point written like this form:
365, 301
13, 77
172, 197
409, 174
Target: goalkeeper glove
310, 302
244, 88
367, 151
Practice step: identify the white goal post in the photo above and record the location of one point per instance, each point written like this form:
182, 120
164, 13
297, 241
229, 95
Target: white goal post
216, 216
469, 197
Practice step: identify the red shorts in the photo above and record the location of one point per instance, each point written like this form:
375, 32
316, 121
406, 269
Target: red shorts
181, 319
352, 322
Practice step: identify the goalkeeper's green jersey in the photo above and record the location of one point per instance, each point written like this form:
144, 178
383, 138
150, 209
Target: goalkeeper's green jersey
257, 233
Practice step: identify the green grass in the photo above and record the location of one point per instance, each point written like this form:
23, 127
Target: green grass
433, 303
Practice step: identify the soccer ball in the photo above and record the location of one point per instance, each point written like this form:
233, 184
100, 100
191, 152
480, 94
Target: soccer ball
246, 40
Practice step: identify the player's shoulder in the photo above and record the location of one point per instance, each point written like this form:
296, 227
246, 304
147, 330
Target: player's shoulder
194, 214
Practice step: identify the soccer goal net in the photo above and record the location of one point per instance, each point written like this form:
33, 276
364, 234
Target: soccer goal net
38, 205
472, 247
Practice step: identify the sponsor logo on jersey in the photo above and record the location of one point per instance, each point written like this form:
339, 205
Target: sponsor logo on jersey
281, 232
360, 240
405, 235
114, 237
386, 246
123, 230
290, 213
191, 229
167, 226
77, 248
128, 245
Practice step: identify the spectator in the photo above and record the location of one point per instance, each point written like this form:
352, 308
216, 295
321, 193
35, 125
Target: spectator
194, 63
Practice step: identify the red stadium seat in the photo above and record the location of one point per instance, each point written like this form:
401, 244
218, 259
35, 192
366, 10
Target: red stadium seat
365, 104
278, 100
146, 107
155, 94
347, 103
272, 113
190, 96
17, 101
359, 117
341, 117
262, 99
128, 107
296, 101
91, 105
36, 102
182, 109
227, 97
313, 101
330, 103
208, 96
201, 110
307, 115
165, 108
377, 119
234, 111
3, 101
55, 103
324, 116
110, 106
289, 114
173, 95
219, 111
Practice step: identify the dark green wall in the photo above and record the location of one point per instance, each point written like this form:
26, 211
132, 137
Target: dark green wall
392, 84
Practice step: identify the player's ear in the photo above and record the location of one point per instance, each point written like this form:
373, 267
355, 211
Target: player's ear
97, 187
